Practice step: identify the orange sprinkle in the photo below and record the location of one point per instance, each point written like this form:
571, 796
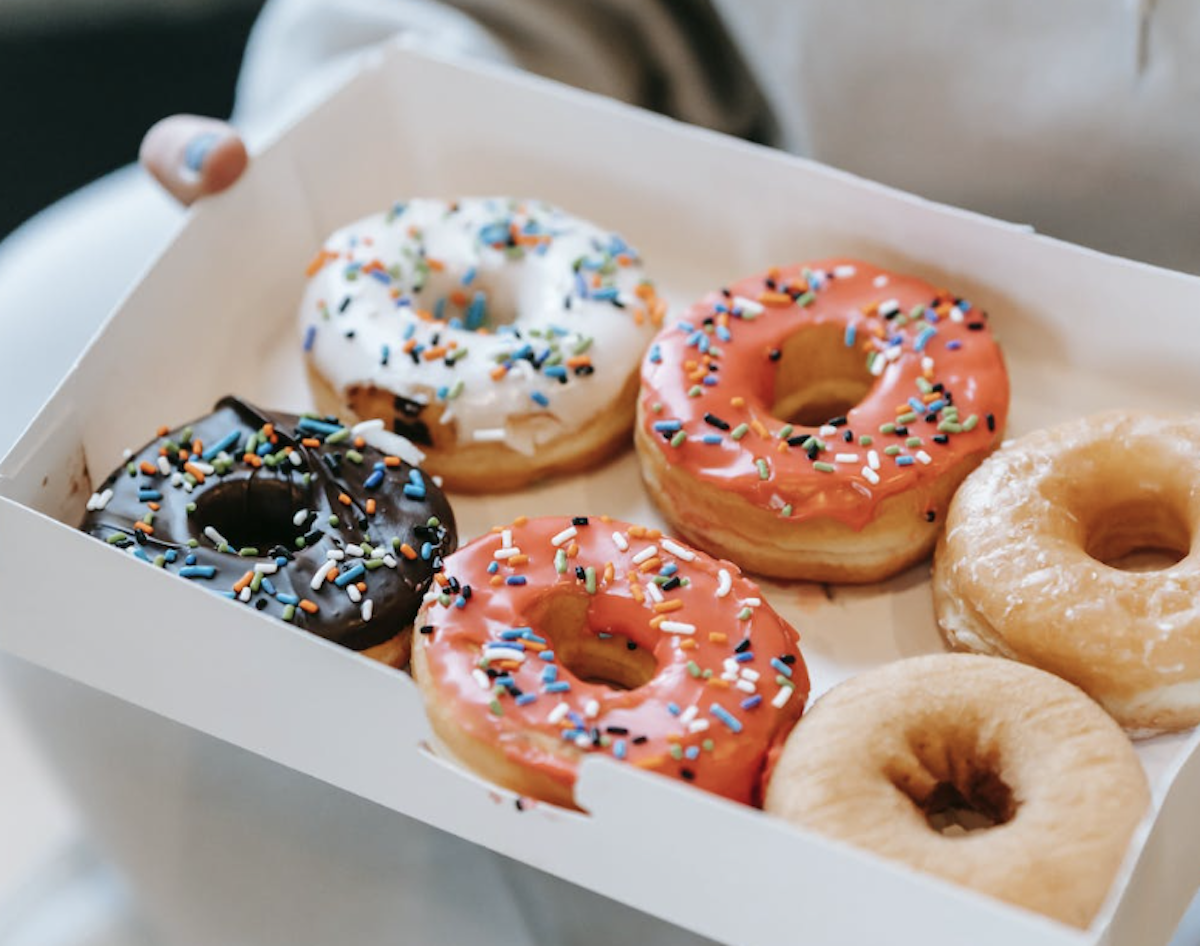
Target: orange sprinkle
515, 560
650, 762
636, 591
718, 682
359, 443
148, 468
498, 372
409, 345
343, 499
664, 606
650, 564
268, 430
318, 263
688, 643
496, 580
609, 571
154, 507
370, 507
253, 459
197, 446
572, 549
657, 620
737, 401
243, 582
140, 526
163, 431
433, 354
441, 579
307, 606
310, 442
757, 426
361, 586
391, 461
718, 637
775, 298
459, 298
195, 471
520, 520
435, 264
579, 361
408, 551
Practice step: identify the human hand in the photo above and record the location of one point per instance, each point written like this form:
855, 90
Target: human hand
192, 156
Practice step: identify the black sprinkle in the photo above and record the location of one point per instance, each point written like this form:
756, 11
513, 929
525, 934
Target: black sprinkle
991, 422
940, 438
901, 431
260, 603
848, 435
631, 645
742, 647
580, 573
788, 658
930, 515
579, 521
616, 730
931, 418
725, 292
688, 774
520, 805
837, 421
715, 421
426, 628
345, 304
796, 441
976, 326
582, 371
466, 592
774, 354
671, 583
350, 333
640, 740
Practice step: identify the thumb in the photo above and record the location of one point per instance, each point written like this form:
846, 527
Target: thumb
192, 156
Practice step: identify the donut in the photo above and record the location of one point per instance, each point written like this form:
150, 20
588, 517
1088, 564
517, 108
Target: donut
330, 528
501, 336
556, 638
813, 422
898, 760
1034, 564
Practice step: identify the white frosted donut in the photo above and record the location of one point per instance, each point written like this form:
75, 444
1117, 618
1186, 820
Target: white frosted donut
884, 757
1021, 571
503, 336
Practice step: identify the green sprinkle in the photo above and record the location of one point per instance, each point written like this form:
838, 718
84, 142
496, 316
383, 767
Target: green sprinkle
433, 522
679, 438
190, 479
693, 669
334, 521
582, 345
807, 299
193, 543
300, 542
824, 467
892, 451
924, 386
916, 312
148, 518
695, 390
116, 537
707, 745
589, 580
786, 511
707, 674
338, 435
810, 442
248, 551
906, 418
865, 440
130, 468
656, 407
950, 427
444, 600
396, 543
676, 751
744, 614
289, 612
160, 561
913, 442
373, 563
785, 431
970, 422
764, 471
740, 431
256, 582
224, 547
270, 461
560, 561
456, 390
495, 707
785, 682
887, 428
354, 457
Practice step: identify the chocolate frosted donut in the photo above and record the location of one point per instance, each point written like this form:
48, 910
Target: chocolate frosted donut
321, 525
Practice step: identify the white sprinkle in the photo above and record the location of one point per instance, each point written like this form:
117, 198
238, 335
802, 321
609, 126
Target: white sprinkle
870, 476
353, 593
506, 653
506, 539
318, 579
888, 307
923, 457
203, 467
294, 458
489, 435
300, 518
678, 550
244, 594
127, 453
732, 666
846, 457
826, 430
677, 627
698, 725
335, 555
647, 553
724, 583
100, 500
188, 487
502, 554
379, 552
390, 443
437, 479
926, 363
844, 272
591, 709
688, 715
368, 609
784, 694
565, 536
176, 478
746, 686
557, 714
354, 551
752, 602
873, 459
880, 281
956, 314
214, 536
893, 353
163, 466
748, 306
482, 679
619, 542
389, 561
730, 675
654, 592
583, 741
877, 365
749, 674
266, 568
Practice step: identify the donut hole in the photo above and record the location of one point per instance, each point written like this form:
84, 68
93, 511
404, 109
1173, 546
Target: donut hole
613, 660
818, 377
1139, 534
479, 300
955, 785
250, 513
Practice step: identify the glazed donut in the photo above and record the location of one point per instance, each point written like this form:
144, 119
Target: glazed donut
881, 759
327, 527
814, 421
1024, 569
559, 637
501, 336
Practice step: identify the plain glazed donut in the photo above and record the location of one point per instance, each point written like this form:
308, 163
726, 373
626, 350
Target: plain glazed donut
1022, 570
323, 526
882, 754
501, 336
813, 422
557, 637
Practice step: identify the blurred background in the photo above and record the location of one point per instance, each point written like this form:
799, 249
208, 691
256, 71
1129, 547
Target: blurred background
82, 80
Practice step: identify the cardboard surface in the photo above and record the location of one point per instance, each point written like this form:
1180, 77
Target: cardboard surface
1081, 332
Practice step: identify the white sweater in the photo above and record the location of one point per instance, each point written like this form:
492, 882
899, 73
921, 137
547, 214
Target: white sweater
1081, 117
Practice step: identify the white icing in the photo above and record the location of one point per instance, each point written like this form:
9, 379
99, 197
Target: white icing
540, 294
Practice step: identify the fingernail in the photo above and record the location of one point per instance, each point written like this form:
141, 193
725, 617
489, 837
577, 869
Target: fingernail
197, 150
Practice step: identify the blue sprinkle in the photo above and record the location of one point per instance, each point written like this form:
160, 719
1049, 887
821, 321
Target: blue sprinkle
711, 438
905, 461
556, 371
526, 698
149, 495
669, 569
667, 426
934, 406
923, 339
409, 330
268, 586
710, 380
190, 560
196, 571
695, 339
225, 443
414, 477
310, 425
559, 686
515, 580
569, 735
723, 333
581, 285
511, 634
468, 276
460, 602
673, 709
477, 311
744, 657
685, 327
285, 598
549, 673
540, 398
751, 701
547, 655
439, 309
493, 567
385, 353
494, 234
426, 551
692, 752
382, 276
224, 594
726, 717
504, 680
281, 561
781, 666
502, 645
310, 336
963, 306
351, 574
414, 492
607, 294
953, 345
619, 749
171, 555
917, 404
577, 720
655, 354
374, 480
264, 449
139, 552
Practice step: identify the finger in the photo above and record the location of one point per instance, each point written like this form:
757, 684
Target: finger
192, 156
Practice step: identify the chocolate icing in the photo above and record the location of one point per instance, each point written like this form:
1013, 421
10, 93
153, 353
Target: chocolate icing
253, 508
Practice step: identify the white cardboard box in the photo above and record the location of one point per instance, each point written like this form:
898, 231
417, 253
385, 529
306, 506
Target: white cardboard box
1081, 332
